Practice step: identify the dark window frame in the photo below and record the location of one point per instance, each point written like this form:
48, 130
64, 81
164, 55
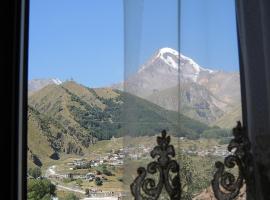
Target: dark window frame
17, 96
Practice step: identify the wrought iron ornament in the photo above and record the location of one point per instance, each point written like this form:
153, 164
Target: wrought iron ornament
167, 169
225, 185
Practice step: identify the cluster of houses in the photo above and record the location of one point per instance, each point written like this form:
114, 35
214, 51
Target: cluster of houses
107, 195
88, 177
139, 152
116, 158
219, 151
112, 159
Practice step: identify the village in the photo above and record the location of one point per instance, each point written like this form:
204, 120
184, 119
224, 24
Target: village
99, 175
217, 151
116, 158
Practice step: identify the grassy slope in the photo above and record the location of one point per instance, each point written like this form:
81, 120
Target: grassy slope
57, 101
229, 119
73, 114
37, 142
46, 136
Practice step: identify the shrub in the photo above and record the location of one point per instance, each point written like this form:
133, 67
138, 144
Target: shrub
98, 181
34, 172
40, 189
120, 179
107, 172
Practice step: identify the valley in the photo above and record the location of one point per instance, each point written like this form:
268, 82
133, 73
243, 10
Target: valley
108, 160
69, 118
86, 140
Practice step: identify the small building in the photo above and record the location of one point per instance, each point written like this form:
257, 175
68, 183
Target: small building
79, 162
90, 176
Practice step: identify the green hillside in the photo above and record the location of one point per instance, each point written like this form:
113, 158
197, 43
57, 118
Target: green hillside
69, 118
47, 138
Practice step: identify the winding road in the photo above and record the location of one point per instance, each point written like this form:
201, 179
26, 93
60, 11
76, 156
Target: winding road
51, 171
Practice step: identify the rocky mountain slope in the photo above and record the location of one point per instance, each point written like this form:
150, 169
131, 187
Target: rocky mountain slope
200, 93
191, 99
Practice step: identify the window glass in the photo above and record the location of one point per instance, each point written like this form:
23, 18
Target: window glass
107, 77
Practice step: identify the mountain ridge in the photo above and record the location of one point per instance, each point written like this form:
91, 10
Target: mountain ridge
206, 94
36, 84
69, 118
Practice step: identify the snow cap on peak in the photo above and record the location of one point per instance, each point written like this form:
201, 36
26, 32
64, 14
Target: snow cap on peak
168, 50
57, 81
168, 59
175, 60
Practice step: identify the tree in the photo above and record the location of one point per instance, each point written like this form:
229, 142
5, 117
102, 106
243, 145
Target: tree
41, 189
34, 172
98, 181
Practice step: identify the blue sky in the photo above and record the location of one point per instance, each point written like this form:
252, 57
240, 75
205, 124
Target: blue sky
84, 39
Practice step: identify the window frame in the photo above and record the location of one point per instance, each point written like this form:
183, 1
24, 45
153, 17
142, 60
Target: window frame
19, 95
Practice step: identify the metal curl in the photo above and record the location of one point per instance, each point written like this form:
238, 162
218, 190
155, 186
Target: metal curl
149, 186
172, 185
146, 188
224, 184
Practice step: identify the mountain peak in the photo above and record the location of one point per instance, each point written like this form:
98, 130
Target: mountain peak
173, 60
57, 81
168, 50
37, 84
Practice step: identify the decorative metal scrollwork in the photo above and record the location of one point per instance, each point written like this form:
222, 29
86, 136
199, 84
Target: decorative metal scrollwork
168, 173
225, 185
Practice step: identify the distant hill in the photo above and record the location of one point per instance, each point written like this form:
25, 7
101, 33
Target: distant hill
68, 118
37, 84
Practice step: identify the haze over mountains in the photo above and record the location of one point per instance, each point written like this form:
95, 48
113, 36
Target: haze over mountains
207, 95
70, 116
170, 91
67, 117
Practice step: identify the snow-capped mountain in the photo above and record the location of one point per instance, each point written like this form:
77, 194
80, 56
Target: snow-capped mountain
180, 64
37, 84
165, 69
205, 94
